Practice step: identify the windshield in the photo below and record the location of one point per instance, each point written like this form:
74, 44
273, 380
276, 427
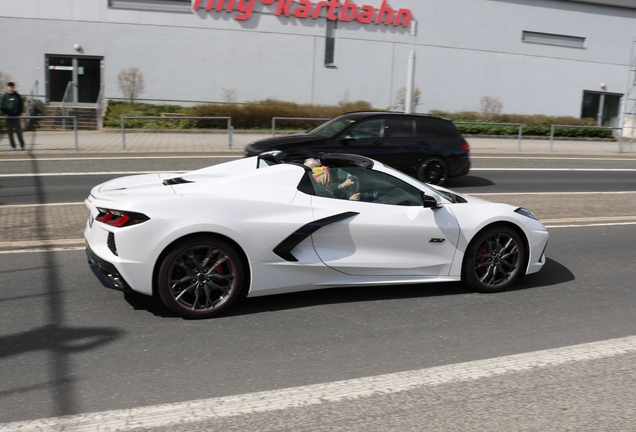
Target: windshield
332, 127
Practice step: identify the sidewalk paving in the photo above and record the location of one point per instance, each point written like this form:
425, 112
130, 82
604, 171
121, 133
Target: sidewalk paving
43, 226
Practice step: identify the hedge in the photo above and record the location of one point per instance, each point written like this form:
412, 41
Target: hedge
258, 115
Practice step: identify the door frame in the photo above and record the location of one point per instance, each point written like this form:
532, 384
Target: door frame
75, 58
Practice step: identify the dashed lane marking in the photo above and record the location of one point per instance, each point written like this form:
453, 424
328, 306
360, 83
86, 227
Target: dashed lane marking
558, 169
165, 415
238, 156
57, 174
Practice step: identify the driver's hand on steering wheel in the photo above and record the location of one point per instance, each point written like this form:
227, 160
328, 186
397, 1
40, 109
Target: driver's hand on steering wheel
355, 197
348, 182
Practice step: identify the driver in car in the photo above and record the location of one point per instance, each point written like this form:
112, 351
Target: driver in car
322, 177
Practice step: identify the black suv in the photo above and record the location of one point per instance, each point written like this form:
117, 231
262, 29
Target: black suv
428, 148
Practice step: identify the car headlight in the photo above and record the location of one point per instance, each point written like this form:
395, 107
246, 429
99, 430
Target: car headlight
525, 212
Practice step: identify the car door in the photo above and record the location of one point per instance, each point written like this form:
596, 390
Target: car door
388, 236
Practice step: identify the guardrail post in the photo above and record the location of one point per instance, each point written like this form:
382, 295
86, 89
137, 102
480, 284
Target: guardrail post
230, 132
273, 126
519, 141
75, 132
123, 133
551, 136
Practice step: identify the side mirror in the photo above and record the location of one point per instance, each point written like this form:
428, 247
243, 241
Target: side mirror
431, 201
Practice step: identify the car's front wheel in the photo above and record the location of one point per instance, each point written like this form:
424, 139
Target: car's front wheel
495, 259
433, 170
201, 277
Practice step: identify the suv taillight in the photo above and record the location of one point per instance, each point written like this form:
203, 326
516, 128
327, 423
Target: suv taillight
465, 146
119, 219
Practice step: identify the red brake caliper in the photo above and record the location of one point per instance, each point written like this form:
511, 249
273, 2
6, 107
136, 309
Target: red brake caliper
483, 250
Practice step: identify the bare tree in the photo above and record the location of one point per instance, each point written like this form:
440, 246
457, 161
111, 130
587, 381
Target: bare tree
400, 99
490, 107
229, 95
4, 79
131, 83
346, 97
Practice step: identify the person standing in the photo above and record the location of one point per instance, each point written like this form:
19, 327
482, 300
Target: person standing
12, 106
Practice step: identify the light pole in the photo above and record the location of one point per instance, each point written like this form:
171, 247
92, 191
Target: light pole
410, 75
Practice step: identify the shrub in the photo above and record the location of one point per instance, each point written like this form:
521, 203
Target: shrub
250, 115
258, 115
533, 125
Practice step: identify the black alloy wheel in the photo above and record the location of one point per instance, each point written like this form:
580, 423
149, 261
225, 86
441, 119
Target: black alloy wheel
433, 170
201, 277
494, 259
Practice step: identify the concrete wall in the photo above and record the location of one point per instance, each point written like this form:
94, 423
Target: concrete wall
465, 49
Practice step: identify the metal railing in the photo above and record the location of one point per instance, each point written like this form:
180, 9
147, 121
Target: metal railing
630, 138
294, 118
34, 91
64, 118
98, 105
518, 125
553, 127
68, 97
230, 128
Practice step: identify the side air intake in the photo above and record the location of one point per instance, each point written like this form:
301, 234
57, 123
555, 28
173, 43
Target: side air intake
176, 180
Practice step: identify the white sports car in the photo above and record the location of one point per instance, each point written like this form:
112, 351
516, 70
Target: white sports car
254, 227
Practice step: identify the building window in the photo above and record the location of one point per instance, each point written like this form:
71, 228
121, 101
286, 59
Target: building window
330, 43
602, 107
155, 5
553, 39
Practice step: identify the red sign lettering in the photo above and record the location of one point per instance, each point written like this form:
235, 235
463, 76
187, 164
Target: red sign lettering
333, 9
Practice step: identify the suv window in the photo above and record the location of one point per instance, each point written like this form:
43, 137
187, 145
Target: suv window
398, 128
434, 128
367, 129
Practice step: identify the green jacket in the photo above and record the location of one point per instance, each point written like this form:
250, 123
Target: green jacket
12, 104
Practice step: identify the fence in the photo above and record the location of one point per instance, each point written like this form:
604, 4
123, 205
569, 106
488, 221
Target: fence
553, 127
294, 118
63, 118
230, 129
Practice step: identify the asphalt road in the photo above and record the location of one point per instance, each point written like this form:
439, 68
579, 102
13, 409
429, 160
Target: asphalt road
60, 181
70, 346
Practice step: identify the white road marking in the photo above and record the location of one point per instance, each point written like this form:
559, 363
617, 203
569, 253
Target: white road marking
54, 174
553, 158
126, 158
40, 246
41, 205
590, 225
552, 193
36, 246
85, 173
557, 169
53, 249
470, 194
202, 410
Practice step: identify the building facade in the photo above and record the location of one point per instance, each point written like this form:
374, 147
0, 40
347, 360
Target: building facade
551, 57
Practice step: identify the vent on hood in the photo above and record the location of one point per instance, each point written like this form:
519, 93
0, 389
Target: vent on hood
176, 180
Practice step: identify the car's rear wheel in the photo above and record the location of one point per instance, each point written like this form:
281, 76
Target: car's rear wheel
433, 170
201, 277
495, 259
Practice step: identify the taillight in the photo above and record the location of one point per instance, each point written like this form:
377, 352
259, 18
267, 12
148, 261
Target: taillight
118, 218
465, 146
